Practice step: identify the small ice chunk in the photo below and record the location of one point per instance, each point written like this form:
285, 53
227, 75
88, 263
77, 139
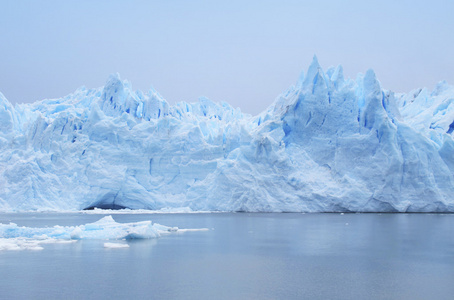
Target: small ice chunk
192, 229
18, 244
115, 245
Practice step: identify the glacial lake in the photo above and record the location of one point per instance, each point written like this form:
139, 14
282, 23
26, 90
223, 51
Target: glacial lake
242, 256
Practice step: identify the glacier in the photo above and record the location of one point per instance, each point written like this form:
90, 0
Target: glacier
327, 144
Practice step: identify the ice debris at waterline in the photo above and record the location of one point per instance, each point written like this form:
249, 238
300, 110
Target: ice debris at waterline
127, 211
326, 144
13, 237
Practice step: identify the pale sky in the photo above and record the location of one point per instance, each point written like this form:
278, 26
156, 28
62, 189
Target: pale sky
243, 52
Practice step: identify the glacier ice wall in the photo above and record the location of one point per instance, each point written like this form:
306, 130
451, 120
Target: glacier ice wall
326, 144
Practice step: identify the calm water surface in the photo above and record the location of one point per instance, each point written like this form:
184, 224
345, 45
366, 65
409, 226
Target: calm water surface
244, 256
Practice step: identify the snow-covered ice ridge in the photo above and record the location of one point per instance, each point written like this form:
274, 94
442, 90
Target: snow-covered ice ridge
326, 144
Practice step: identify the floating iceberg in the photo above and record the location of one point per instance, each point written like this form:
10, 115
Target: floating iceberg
106, 229
14, 237
326, 144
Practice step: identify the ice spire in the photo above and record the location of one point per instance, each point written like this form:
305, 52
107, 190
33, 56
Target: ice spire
114, 90
6, 119
374, 112
338, 76
314, 68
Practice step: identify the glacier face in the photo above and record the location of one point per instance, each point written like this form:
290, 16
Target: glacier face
326, 144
